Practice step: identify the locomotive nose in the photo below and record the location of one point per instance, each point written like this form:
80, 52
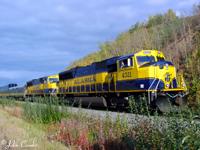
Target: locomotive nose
165, 71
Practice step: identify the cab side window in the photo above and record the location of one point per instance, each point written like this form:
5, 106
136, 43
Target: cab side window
126, 63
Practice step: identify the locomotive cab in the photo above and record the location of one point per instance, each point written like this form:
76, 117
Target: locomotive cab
148, 71
153, 66
44, 86
50, 86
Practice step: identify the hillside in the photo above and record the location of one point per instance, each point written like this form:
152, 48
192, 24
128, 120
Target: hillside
177, 37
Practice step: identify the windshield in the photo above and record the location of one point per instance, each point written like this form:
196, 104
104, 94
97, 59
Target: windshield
53, 80
145, 59
160, 58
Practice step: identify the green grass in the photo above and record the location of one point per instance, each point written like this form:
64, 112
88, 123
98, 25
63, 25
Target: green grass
45, 110
7, 102
180, 131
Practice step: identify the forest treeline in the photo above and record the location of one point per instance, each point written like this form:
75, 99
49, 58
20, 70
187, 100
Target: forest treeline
177, 37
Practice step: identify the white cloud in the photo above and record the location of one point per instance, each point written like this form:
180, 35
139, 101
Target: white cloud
187, 3
19, 74
178, 13
124, 11
157, 2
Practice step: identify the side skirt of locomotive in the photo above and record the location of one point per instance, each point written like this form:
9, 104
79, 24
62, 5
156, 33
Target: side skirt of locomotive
162, 101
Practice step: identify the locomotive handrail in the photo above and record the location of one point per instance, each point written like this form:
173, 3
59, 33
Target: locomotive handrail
180, 81
151, 84
157, 84
157, 87
149, 99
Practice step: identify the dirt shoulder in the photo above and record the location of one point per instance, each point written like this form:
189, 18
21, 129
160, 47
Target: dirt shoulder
15, 133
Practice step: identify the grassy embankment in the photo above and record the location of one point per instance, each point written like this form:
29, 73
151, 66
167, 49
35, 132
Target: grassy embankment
17, 133
80, 131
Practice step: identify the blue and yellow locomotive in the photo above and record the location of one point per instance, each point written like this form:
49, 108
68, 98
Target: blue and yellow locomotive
115, 79
45, 86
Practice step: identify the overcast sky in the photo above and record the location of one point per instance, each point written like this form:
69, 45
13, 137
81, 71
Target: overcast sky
41, 37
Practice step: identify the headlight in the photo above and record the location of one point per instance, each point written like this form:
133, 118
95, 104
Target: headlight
141, 86
167, 66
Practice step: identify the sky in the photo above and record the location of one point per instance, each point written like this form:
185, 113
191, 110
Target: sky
42, 37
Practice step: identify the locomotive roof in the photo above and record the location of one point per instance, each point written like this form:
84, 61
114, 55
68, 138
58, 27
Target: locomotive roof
106, 62
126, 56
112, 60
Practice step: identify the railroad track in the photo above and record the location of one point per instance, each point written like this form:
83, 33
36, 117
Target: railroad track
133, 120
